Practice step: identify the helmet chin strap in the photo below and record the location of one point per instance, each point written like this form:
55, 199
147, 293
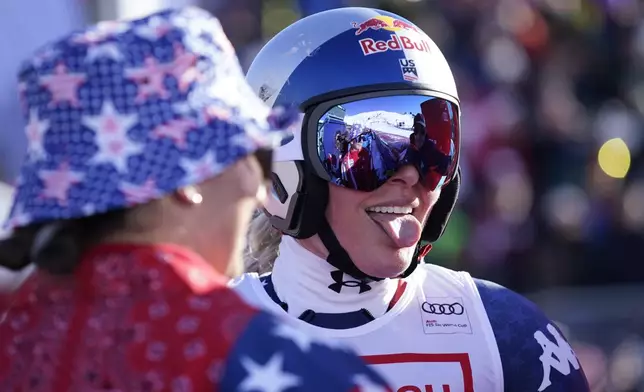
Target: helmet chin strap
340, 259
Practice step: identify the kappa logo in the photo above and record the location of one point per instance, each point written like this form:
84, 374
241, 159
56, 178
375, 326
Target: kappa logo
338, 277
558, 355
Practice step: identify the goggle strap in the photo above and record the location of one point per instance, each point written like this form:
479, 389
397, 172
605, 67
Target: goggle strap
338, 257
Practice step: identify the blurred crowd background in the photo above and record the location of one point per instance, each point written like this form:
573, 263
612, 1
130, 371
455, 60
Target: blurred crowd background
552, 96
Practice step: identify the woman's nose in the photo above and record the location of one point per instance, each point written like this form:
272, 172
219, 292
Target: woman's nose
406, 175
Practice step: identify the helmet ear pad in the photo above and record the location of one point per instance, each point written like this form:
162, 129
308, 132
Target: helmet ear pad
303, 206
438, 218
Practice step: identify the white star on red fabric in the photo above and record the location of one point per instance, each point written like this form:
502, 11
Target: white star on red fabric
149, 80
107, 49
35, 131
175, 130
63, 86
58, 182
114, 145
365, 384
155, 29
183, 68
139, 194
269, 377
200, 169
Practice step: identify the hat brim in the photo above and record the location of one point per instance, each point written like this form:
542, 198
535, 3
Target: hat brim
282, 125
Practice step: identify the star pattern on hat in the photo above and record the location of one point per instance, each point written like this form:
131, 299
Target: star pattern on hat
104, 50
175, 130
254, 139
89, 209
149, 79
124, 113
183, 68
204, 167
101, 32
36, 129
114, 145
63, 86
57, 183
137, 194
154, 29
216, 112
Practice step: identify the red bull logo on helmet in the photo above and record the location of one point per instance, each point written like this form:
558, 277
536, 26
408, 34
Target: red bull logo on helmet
383, 22
396, 42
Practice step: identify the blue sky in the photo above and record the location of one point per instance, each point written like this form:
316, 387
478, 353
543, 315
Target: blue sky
396, 104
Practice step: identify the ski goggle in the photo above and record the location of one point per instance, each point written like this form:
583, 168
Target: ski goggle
360, 144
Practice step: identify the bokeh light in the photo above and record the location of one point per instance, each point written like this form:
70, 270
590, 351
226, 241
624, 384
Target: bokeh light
614, 158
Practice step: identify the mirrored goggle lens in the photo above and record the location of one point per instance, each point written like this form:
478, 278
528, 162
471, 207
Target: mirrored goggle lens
362, 144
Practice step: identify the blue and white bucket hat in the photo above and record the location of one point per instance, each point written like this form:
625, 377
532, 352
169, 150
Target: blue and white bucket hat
126, 112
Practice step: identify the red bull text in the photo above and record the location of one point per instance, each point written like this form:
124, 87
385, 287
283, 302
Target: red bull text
371, 46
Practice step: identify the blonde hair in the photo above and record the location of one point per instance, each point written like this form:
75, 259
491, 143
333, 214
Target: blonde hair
262, 245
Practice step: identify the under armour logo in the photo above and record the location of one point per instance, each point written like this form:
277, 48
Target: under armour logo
339, 283
557, 355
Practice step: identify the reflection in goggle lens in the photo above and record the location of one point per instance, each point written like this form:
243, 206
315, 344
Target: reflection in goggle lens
362, 144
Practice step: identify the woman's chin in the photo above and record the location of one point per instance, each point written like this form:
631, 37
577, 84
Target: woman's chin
389, 264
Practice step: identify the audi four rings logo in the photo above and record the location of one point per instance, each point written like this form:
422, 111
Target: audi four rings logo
446, 309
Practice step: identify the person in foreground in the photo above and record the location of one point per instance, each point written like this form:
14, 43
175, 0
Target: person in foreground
148, 154
346, 246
